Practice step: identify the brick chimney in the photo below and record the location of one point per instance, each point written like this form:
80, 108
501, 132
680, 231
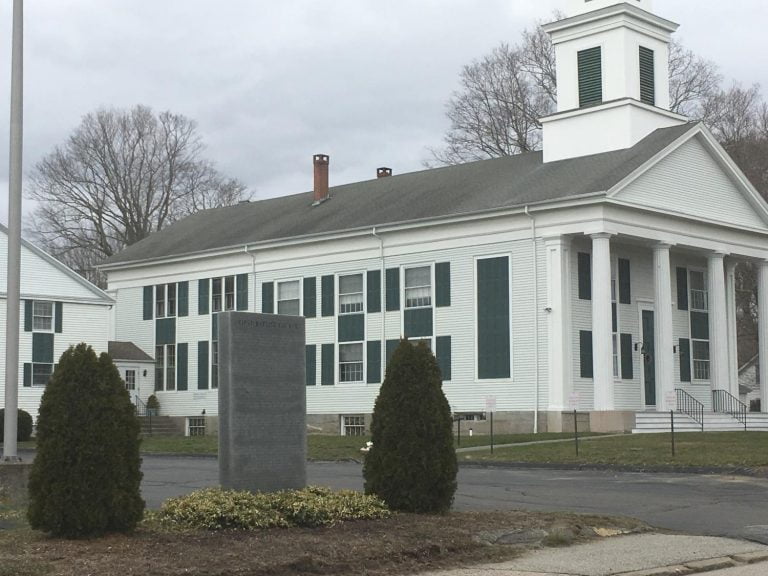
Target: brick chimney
383, 172
321, 178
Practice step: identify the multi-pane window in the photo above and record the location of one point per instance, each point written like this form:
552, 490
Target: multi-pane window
350, 294
42, 316
353, 425
418, 287
229, 293
288, 298
165, 367
216, 294
699, 325
223, 294
214, 364
165, 300
130, 379
351, 362
41, 373
196, 426
615, 328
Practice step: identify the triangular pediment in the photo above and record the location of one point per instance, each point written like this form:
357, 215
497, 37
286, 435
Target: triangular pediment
696, 178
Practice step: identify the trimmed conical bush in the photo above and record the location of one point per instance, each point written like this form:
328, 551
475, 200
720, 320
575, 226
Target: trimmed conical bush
412, 463
86, 474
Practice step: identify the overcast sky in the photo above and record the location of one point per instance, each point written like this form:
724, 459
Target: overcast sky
272, 83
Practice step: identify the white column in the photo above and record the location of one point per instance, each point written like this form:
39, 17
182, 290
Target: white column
602, 341
718, 323
730, 304
662, 328
558, 306
762, 310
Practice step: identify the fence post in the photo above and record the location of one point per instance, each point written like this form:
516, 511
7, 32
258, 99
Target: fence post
672, 420
576, 430
491, 432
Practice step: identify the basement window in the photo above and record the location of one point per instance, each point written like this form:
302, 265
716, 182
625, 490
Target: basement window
196, 426
353, 425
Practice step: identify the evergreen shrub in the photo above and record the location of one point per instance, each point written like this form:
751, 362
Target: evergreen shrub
86, 474
23, 425
412, 463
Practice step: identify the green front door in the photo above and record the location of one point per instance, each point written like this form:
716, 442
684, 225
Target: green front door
649, 361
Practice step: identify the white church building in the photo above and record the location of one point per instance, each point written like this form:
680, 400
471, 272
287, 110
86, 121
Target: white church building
596, 275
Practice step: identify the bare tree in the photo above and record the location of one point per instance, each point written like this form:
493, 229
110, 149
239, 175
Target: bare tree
503, 96
120, 176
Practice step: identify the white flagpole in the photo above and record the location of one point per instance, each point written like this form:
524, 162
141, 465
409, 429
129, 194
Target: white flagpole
10, 440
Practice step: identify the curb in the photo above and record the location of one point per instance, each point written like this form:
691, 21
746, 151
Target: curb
700, 566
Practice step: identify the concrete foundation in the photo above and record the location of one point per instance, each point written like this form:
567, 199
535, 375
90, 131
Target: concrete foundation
13, 484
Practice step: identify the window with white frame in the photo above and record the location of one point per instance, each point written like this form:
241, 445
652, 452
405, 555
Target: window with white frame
196, 426
42, 316
229, 293
41, 373
289, 298
165, 367
216, 294
351, 362
418, 287
699, 325
165, 300
350, 294
353, 425
214, 364
130, 379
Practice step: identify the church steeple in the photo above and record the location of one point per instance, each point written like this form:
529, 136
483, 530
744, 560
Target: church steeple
612, 77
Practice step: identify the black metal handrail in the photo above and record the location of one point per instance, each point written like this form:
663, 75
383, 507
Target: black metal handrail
726, 403
688, 405
141, 407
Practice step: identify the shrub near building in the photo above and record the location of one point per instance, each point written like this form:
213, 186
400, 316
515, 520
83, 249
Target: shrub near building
23, 425
412, 463
86, 474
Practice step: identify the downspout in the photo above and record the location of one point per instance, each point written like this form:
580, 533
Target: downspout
534, 266
382, 302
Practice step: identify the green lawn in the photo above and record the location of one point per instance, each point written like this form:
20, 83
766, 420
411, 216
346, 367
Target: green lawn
716, 449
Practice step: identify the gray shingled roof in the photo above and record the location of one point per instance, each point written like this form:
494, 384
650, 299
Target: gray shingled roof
481, 186
127, 351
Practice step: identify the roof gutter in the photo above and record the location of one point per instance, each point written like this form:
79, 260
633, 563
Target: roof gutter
534, 270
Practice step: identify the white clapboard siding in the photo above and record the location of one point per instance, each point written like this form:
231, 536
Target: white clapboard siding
690, 181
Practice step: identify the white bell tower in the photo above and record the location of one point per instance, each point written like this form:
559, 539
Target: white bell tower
612, 77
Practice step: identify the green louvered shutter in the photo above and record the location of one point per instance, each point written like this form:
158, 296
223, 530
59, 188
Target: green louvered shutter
391, 346
242, 292
700, 325
42, 347
267, 297
627, 368
682, 288
442, 284
327, 368
351, 328
392, 288
443, 354
310, 297
182, 366
27, 375
373, 288
183, 295
417, 322
59, 317
373, 357
585, 353
590, 77
202, 365
327, 295
148, 302
685, 360
28, 315
625, 284
493, 315
310, 362
165, 331
647, 76
585, 276
203, 295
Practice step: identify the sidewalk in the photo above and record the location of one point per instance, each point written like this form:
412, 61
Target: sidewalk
635, 555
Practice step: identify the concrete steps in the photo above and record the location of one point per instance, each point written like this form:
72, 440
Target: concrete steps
655, 422
159, 426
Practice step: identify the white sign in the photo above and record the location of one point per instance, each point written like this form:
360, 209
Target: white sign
671, 400
573, 401
490, 403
